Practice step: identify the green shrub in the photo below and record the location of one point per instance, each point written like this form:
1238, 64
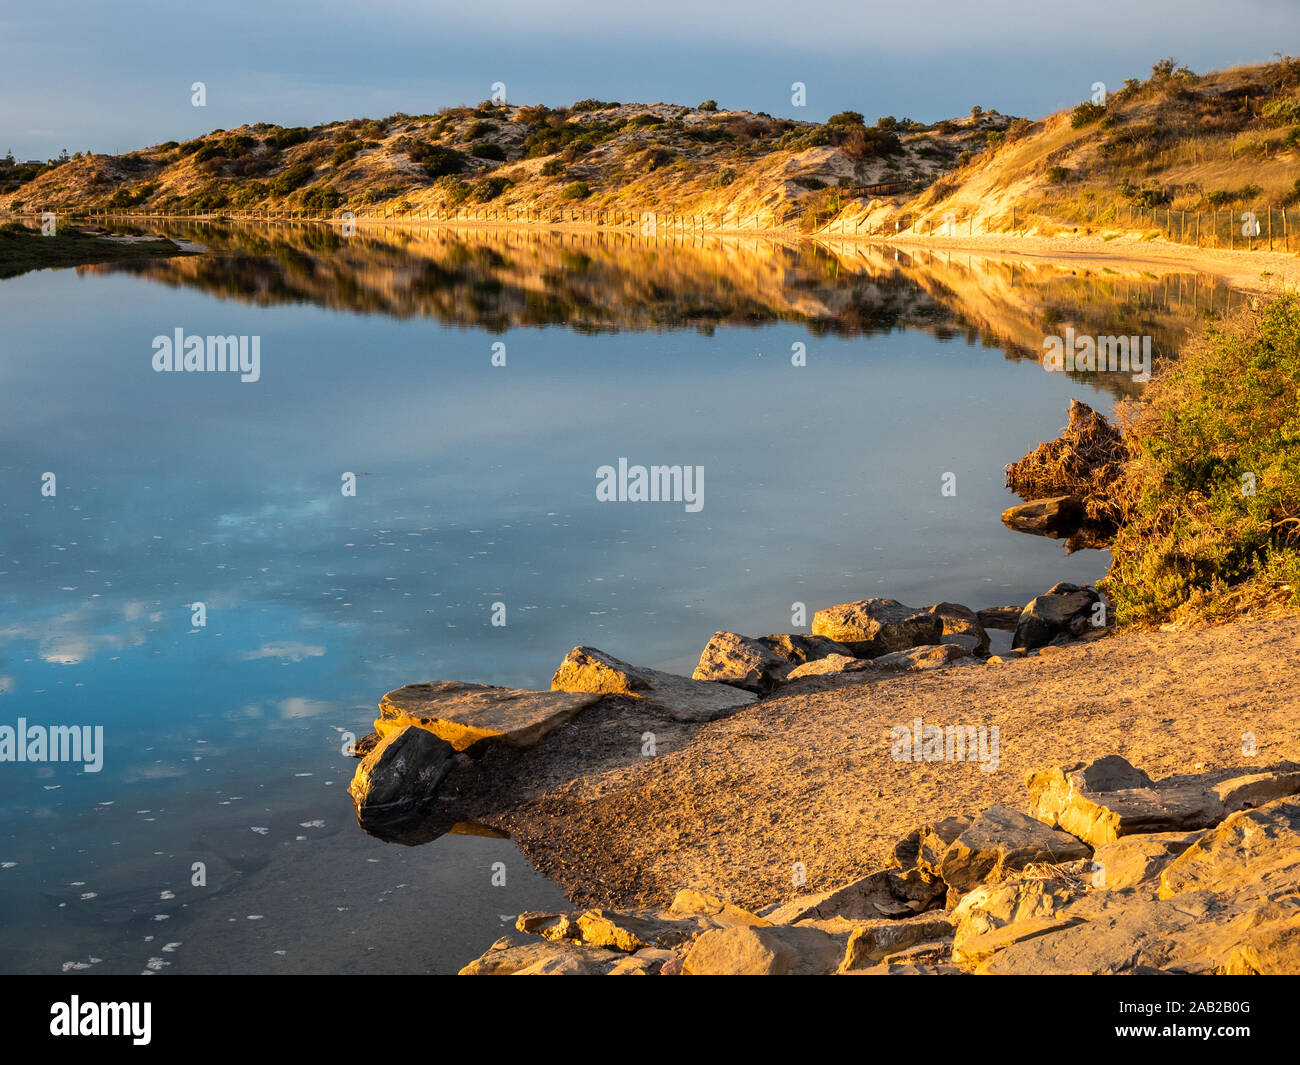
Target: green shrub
723, 178
346, 151
285, 138
487, 150
489, 188
1216, 481
1057, 174
1283, 109
708, 105
577, 191
290, 179
1087, 113
321, 198
592, 105
553, 167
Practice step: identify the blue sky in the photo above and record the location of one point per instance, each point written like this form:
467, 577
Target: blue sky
86, 75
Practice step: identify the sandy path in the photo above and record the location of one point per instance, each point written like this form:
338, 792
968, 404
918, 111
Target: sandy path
809, 777
1257, 271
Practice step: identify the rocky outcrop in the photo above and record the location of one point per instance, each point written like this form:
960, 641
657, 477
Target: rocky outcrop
1104, 800
925, 657
831, 665
1064, 610
874, 627
585, 669
995, 892
470, 716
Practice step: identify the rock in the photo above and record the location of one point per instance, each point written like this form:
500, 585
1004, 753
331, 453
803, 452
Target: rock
873, 942
1103, 800
835, 663
1056, 516
552, 926
398, 780
990, 907
1242, 793
646, 962
758, 951
961, 623
800, 648
1134, 860
539, 958
469, 716
873, 627
1063, 609
365, 745
928, 657
968, 643
730, 658
1251, 848
628, 933
980, 948
585, 669
924, 847
886, 893
1000, 617
689, 902
999, 842
903, 970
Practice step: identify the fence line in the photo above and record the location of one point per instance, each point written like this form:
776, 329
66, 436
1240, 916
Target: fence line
1265, 228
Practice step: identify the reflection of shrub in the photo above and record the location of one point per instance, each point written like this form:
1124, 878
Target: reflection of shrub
577, 191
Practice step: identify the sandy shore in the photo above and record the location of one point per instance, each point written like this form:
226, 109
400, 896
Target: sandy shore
808, 777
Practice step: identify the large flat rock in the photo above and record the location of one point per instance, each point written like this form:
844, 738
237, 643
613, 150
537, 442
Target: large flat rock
586, 669
1000, 842
470, 715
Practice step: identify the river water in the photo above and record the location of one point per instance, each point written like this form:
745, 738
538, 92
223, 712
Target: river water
469, 387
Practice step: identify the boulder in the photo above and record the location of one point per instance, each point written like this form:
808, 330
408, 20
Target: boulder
688, 902
875, 941
730, 658
873, 627
1056, 516
1131, 861
886, 893
538, 957
917, 658
1064, 609
585, 669
924, 847
629, 933
398, 779
999, 842
757, 951
799, 648
646, 962
469, 716
831, 664
961, 623
1103, 800
1251, 850
990, 907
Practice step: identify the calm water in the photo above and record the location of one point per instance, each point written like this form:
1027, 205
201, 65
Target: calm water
475, 485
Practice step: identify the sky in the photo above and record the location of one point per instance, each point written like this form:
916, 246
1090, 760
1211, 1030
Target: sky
90, 76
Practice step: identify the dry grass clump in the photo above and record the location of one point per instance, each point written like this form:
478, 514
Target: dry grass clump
1087, 460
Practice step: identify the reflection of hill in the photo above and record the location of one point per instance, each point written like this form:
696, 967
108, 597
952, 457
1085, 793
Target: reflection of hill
500, 280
